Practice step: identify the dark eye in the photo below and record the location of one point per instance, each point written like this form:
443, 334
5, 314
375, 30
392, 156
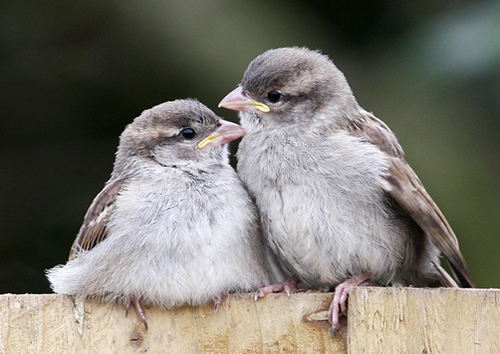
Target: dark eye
188, 133
274, 96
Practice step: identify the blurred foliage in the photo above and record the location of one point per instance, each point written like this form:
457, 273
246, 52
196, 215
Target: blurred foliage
73, 74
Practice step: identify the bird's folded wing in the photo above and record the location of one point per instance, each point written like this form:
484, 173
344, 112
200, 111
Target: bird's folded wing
408, 192
95, 222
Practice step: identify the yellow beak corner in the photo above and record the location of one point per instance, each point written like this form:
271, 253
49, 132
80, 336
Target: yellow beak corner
239, 101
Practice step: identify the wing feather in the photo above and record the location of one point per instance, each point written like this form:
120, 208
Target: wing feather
94, 227
405, 188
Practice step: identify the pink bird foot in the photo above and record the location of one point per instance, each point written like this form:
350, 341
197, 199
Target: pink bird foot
138, 309
339, 303
287, 286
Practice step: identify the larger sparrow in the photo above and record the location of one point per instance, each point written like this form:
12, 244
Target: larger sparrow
340, 205
174, 224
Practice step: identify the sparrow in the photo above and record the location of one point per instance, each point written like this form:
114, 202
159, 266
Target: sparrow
340, 205
174, 224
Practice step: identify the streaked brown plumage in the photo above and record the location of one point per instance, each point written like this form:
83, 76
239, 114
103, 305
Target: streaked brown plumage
339, 204
174, 224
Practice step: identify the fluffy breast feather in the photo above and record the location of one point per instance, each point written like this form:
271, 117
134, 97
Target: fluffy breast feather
184, 236
308, 191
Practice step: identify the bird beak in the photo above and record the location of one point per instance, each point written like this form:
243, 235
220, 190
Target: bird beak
223, 134
239, 101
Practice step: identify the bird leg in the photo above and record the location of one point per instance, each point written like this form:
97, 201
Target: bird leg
339, 303
138, 309
287, 286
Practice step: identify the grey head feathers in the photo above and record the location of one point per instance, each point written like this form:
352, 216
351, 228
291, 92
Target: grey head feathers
159, 135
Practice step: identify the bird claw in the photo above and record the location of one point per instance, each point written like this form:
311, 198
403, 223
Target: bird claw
339, 304
258, 294
217, 302
286, 286
138, 309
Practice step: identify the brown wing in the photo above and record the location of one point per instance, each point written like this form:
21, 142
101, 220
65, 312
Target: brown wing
409, 193
95, 222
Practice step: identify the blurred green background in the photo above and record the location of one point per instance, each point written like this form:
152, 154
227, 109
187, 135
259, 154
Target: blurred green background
73, 74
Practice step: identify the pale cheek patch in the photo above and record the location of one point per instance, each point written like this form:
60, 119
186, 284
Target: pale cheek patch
162, 132
166, 131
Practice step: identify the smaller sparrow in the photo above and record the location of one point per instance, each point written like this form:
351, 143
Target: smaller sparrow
174, 224
340, 205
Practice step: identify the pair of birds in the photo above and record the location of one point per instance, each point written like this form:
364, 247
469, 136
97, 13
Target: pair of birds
338, 204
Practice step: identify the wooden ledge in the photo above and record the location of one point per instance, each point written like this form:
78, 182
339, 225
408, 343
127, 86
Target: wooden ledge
381, 320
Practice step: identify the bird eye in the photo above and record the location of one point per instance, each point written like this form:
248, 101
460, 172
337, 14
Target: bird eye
274, 96
188, 133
